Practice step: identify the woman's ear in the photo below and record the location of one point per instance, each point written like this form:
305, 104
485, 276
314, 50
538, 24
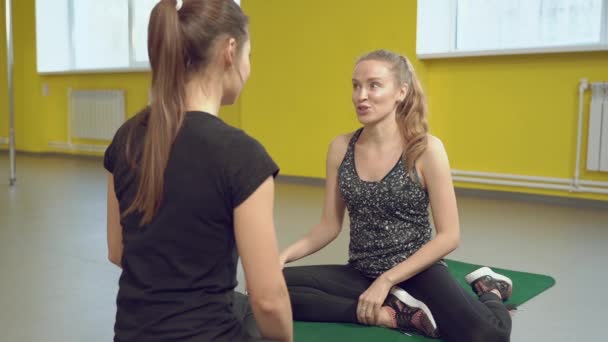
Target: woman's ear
403, 92
230, 53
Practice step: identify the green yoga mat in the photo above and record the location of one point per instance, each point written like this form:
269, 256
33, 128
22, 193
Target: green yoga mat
525, 287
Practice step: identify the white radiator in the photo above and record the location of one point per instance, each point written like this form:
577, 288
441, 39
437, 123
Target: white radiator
95, 114
597, 140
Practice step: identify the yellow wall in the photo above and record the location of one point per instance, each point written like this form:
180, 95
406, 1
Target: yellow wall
43, 119
508, 114
519, 112
505, 114
303, 52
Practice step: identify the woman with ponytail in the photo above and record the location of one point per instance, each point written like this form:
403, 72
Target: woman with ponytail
188, 194
386, 174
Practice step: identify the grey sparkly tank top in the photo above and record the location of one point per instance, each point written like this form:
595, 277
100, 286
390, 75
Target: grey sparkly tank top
389, 219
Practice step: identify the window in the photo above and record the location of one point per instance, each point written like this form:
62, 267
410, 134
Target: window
100, 32
141, 16
450, 28
92, 35
53, 54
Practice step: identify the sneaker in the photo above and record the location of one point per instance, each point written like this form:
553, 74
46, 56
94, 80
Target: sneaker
411, 315
485, 280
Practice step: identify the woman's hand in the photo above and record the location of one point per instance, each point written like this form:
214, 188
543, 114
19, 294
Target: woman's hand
370, 301
283, 259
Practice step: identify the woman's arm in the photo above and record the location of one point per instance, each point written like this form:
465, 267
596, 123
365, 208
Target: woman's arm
333, 209
114, 229
257, 245
436, 174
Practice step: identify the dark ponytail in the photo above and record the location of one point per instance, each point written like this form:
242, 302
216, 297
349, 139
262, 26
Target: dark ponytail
166, 112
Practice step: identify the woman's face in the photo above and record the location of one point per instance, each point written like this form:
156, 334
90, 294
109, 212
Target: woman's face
376, 93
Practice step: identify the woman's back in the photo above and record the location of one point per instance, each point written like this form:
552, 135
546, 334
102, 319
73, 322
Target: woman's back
179, 270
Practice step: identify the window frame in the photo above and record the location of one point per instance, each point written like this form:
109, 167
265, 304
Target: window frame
449, 50
134, 65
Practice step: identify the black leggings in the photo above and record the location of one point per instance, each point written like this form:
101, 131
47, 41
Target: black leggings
330, 293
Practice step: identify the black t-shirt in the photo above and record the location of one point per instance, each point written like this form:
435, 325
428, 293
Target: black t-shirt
179, 271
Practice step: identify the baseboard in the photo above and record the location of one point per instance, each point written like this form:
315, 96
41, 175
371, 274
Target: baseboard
63, 146
531, 198
481, 193
299, 180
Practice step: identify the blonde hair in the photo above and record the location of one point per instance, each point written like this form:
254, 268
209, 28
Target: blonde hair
412, 111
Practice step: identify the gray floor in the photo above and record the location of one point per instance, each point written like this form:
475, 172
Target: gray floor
56, 284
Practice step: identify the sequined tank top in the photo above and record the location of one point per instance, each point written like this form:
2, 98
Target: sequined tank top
389, 219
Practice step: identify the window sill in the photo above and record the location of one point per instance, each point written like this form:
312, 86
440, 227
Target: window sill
522, 51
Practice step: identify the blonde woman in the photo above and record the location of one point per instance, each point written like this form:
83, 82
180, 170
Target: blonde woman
387, 173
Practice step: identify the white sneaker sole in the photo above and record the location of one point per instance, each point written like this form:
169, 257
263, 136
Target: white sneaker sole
484, 271
410, 301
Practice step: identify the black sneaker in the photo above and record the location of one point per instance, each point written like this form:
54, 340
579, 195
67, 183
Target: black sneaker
485, 280
411, 315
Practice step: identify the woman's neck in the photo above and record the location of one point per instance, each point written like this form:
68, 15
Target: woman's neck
382, 133
204, 97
